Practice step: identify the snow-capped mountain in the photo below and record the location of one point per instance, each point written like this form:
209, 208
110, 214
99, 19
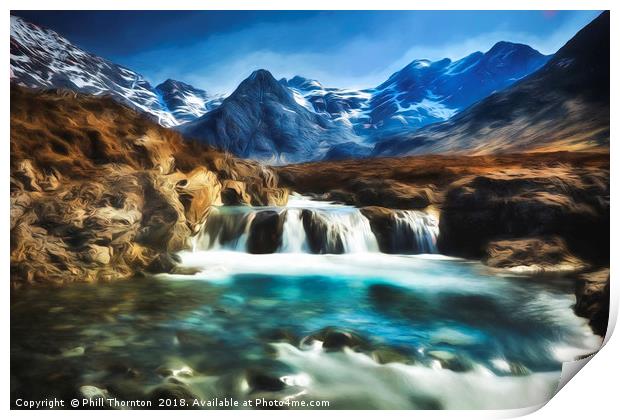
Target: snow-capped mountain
41, 58
345, 105
423, 92
262, 119
562, 106
288, 121
185, 102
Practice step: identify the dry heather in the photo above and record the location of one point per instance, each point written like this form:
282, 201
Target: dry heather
99, 192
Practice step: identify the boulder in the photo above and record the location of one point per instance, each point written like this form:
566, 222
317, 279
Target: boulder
335, 339
163, 224
163, 263
547, 254
321, 239
382, 224
265, 232
97, 254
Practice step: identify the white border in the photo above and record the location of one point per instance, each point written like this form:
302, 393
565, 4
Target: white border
591, 395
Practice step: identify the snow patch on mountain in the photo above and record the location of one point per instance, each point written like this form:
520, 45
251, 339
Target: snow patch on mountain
41, 58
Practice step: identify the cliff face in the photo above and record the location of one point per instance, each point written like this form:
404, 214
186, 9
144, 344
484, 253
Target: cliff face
99, 192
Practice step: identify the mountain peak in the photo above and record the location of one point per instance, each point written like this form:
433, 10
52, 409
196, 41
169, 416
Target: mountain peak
506, 47
262, 82
171, 84
303, 83
262, 75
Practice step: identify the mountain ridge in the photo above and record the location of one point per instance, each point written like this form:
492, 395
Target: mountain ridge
262, 119
42, 58
562, 106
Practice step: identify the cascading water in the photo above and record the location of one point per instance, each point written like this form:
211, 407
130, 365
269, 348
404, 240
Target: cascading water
318, 227
415, 232
294, 238
339, 231
227, 228
436, 332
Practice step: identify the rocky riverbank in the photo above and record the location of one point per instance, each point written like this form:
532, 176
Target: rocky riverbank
101, 193
544, 213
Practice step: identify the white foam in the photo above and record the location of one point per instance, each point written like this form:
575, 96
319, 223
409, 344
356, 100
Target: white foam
350, 379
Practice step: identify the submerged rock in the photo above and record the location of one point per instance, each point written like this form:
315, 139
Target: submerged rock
74, 352
92, 393
173, 391
335, 339
268, 376
451, 361
389, 355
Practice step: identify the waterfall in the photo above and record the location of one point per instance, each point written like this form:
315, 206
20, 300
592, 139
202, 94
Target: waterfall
415, 231
339, 231
227, 228
294, 239
316, 227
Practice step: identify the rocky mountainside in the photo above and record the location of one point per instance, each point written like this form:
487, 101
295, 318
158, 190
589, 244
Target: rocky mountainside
261, 119
41, 58
318, 123
562, 106
423, 92
100, 192
185, 102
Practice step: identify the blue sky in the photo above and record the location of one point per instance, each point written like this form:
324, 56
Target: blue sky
215, 50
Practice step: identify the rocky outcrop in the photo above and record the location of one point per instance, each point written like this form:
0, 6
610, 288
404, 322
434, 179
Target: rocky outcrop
402, 231
101, 193
593, 296
199, 190
535, 255
572, 203
392, 194
321, 240
234, 193
265, 232
267, 196
381, 192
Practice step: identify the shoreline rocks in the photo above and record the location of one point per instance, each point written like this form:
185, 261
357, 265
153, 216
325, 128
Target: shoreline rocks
593, 297
533, 255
